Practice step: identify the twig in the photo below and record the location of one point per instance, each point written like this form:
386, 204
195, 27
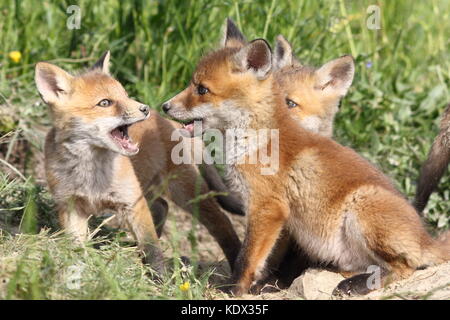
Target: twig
13, 169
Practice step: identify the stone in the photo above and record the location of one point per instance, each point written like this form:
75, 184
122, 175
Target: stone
315, 284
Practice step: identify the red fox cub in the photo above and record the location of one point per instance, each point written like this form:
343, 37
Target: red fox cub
106, 151
316, 113
436, 164
339, 208
313, 109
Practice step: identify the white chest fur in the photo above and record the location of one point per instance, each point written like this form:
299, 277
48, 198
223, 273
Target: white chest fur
86, 172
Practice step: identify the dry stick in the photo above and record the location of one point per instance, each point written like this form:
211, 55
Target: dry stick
97, 230
13, 169
12, 142
6, 100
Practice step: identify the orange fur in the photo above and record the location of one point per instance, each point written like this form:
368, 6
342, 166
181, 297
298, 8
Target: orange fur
87, 177
338, 206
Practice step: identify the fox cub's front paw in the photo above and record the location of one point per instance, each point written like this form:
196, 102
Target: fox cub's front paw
154, 258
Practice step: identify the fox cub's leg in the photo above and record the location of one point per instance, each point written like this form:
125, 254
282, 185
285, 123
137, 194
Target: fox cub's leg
73, 220
232, 202
291, 264
265, 222
394, 235
159, 209
276, 257
210, 214
141, 225
286, 262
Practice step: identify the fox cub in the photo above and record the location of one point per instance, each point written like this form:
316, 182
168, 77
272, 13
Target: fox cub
338, 207
312, 109
107, 151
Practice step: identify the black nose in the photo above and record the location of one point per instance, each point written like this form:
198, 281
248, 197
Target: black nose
166, 107
144, 109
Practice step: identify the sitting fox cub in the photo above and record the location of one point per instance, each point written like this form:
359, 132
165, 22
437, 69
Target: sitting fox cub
313, 110
93, 164
339, 208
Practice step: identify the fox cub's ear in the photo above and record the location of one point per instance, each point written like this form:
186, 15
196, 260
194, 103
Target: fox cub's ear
282, 56
336, 76
52, 82
257, 57
232, 36
103, 62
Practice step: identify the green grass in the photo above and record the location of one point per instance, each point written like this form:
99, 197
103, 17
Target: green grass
46, 266
390, 115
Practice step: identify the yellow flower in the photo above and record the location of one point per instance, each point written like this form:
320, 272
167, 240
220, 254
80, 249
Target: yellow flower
15, 56
185, 286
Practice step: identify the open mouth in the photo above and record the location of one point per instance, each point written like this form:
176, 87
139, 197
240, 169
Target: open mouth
189, 124
122, 139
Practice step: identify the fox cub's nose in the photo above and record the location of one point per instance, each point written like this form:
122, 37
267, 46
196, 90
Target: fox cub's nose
166, 107
144, 109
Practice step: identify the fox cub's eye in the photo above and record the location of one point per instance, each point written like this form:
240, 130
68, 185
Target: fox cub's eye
201, 90
104, 103
291, 104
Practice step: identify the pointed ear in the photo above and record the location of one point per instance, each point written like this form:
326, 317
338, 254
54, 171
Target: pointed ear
232, 36
282, 55
256, 56
52, 82
103, 63
336, 76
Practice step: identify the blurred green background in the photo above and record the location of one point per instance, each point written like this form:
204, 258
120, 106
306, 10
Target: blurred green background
390, 115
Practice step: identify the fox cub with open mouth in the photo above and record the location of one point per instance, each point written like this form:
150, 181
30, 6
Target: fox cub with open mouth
339, 208
314, 109
108, 152
87, 152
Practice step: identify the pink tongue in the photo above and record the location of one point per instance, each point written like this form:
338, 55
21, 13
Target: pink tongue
117, 134
124, 142
189, 127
